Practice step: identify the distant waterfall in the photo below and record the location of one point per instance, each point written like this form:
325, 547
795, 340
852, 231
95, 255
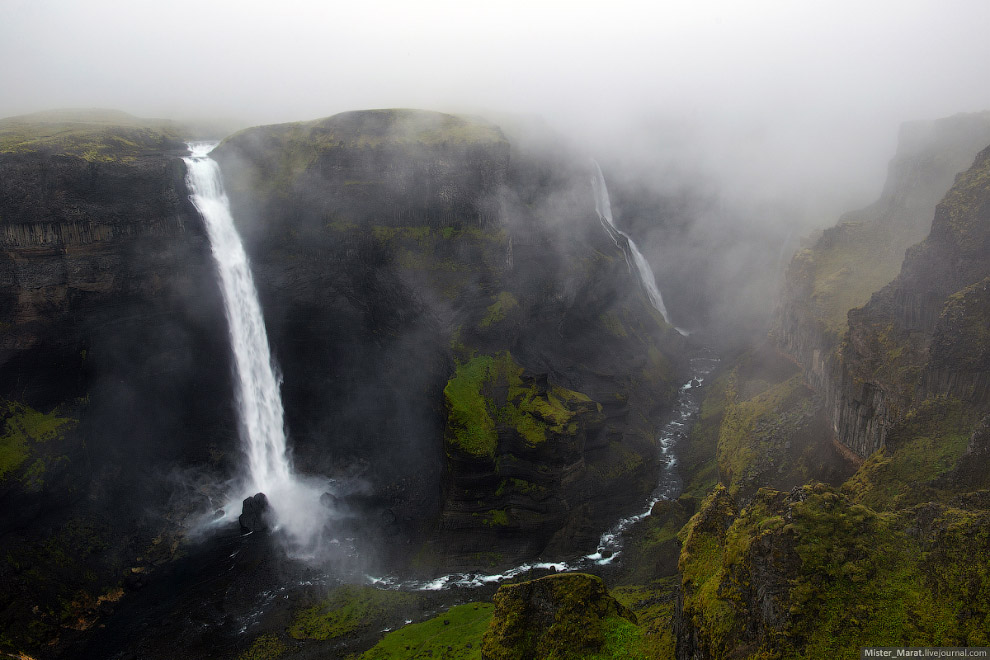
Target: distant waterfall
633, 256
259, 401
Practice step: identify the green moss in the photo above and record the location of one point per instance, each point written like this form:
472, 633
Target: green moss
532, 411
93, 136
469, 424
833, 576
24, 428
621, 461
454, 635
264, 647
347, 610
522, 487
504, 303
561, 617
742, 451
922, 447
298, 145
496, 518
698, 456
655, 607
844, 269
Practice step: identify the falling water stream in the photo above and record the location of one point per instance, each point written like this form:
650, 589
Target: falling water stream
634, 258
294, 500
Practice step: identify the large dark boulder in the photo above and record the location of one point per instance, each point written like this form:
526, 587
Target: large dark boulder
255, 513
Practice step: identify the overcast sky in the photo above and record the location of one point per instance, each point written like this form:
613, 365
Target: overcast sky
783, 74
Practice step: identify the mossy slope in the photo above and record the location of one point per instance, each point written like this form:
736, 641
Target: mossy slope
811, 574
561, 617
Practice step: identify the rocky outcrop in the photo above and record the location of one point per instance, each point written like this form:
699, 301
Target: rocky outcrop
566, 616
810, 574
870, 364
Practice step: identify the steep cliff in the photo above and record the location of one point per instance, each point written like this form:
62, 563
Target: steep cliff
810, 574
113, 361
452, 322
895, 554
864, 253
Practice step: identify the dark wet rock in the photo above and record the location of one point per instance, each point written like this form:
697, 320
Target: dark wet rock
255, 513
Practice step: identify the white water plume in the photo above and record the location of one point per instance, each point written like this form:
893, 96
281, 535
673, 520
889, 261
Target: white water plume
634, 258
294, 500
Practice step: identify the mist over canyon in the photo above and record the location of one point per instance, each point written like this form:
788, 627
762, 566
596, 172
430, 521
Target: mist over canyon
481, 384
493, 332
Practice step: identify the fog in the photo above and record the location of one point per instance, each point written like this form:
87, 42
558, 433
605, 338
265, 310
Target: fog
766, 80
763, 120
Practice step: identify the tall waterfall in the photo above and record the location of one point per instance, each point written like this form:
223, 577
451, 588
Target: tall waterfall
634, 257
294, 502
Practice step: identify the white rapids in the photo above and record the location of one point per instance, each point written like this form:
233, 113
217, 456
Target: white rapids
295, 501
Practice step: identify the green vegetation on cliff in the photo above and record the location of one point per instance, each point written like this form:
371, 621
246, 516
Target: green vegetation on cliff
532, 410
23, 428
471, 427
812, 574
95, 135
921, 448
569, 616
290, 149
453, 635
349, 609
844, 269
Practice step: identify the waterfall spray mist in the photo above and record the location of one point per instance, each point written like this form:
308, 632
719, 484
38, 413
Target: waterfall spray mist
294, 500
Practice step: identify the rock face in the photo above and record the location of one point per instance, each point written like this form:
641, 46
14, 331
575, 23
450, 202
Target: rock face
113, 356
869, 366
559, 616
899, 549
452, 322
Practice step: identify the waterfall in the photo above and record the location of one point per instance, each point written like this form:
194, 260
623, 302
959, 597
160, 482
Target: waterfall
634, 258
294, 501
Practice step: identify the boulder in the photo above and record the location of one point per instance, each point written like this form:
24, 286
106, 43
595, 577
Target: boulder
255, 513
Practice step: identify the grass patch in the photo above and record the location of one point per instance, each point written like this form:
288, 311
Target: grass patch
91, 135
454, 635
264, 647
347, 610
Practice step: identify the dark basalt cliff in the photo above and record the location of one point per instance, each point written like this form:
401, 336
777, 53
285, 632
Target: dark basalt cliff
842, 357
452, 327
897, 552
113, 361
